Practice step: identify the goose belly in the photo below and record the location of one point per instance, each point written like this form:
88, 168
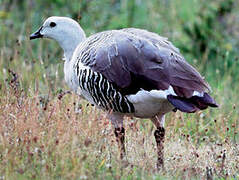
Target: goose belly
147, 104
100, 92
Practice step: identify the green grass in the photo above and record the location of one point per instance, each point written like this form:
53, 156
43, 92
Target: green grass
44, 137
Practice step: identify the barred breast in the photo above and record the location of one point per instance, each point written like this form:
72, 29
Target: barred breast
99, 91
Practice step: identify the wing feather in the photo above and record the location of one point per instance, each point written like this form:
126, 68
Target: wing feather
135, 59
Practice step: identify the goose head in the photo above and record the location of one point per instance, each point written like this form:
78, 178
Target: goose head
66, 31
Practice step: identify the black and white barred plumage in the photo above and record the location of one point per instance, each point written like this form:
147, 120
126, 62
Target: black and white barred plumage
103, 92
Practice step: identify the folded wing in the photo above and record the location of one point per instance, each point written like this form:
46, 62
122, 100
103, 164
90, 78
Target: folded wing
135, 59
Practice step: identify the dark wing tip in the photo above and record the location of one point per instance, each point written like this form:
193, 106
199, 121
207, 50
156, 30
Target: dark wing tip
193, 103
183, 105
209, 100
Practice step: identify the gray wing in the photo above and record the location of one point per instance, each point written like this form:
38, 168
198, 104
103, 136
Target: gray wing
132, 62
153, 37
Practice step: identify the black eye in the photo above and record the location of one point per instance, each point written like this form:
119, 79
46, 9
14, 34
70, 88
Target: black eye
52, 24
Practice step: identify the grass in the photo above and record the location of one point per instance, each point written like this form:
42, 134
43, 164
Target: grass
53, 136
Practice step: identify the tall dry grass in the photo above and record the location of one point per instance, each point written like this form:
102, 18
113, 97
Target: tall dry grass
52, 137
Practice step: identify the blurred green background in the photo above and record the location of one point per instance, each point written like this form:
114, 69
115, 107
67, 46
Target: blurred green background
206, 32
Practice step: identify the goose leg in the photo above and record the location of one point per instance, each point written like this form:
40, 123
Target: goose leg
159, 135
117, 122
119, 134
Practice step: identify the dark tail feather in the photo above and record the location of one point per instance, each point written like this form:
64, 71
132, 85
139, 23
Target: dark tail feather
192, 104
182, 104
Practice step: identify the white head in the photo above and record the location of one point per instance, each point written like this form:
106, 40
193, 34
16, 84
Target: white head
64, 30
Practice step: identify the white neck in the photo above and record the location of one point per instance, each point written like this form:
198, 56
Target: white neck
69, 48
71, 41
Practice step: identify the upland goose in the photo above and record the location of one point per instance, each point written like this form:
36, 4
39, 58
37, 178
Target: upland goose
130, 72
